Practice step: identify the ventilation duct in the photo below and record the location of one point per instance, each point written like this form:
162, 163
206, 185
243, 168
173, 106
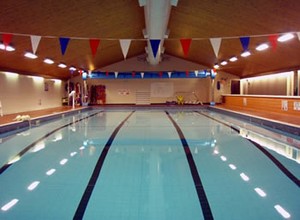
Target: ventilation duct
157, 14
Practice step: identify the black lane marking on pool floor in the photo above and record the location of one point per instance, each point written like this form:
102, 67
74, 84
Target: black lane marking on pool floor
92, 182
26, 149
197, 180
283, 169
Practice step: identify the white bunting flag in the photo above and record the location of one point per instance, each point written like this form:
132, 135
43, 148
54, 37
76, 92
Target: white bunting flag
116, 74
298, 34
169, 74
35, 40
216, 43
125, 43
142, 74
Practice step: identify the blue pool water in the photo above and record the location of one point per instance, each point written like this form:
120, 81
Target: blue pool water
149, 164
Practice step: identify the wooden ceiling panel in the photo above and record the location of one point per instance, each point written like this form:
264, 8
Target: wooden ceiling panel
110, 21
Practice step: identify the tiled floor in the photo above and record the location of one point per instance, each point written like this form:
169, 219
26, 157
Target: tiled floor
294, 120
6, 119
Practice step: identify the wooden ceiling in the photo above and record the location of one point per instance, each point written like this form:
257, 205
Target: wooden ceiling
109, 21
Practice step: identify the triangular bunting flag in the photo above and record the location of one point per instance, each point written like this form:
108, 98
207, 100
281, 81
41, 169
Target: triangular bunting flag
94, 43
160, 74
116, 74
185, 44
273, 41
154, 45
63, 44
169, 74
216, 43
187, 73
245, 42
142, 74
133, 74
6, 39
125, 46
196, 73
298, 34
35, 40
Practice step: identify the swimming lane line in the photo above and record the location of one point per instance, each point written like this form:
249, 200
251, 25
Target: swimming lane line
206, 210
92, 182
26, 149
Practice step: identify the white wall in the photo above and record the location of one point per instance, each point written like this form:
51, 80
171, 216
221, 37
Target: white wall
275, 84
19, 93
123, 91
116, 89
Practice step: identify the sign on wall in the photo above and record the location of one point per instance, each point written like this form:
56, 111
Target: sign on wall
162, 89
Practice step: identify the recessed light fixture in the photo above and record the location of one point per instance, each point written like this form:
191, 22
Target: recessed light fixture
30, 55
7, 48
233, 59
261, 47
62, 65
285, 37
216, 66
72, 68
246, 54
48, 61
223, 63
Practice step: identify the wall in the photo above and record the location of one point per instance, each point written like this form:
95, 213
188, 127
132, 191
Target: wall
123, 91
276, 84
19, 93
224, 80
289, 105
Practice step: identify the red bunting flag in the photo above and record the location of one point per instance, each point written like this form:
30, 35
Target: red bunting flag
187, 73
94, 43
133, 74
160, 74
6, 39
106, 73
186, 43
273, 41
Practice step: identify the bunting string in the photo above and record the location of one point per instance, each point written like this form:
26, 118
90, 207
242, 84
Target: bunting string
145, 39
154, 43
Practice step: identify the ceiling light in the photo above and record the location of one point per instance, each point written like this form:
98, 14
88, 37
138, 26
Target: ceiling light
262, 47
246, 54
62, 65
216, 66
223, 63
233, 59
72, 68
7, 48
30, 55
48, 61
285, 37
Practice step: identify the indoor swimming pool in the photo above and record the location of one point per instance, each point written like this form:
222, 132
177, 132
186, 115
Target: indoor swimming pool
157, 164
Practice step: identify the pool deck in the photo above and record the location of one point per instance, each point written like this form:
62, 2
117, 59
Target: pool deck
284, 119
